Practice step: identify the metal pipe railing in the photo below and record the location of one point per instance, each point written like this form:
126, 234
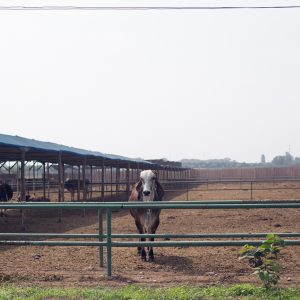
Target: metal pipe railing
110, 243
234, 204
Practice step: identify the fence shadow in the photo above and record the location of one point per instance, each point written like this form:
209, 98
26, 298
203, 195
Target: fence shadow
179, 264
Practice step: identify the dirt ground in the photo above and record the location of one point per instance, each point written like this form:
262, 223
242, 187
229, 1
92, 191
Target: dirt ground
79, 266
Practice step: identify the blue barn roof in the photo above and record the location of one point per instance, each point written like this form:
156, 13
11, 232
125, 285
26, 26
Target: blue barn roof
9, 143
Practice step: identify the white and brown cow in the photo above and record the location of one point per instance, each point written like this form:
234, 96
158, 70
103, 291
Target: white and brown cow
146, 219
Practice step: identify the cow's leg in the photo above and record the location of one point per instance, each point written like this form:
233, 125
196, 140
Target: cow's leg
140, 250
153, 230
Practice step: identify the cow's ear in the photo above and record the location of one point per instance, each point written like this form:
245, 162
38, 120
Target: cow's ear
160, 190
138, 185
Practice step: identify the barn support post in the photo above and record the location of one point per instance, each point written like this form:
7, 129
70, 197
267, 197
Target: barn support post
100, 233
78, 184
84, 179
59, 184
111, 181
44, 181
48, 177
63, 177
22, 187
33, 177
22, 183
18, 175
128, 180
102, 180
90, 189
117, 179
84, 183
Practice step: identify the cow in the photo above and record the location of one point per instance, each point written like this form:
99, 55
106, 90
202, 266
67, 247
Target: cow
72, 186
148, 189
6, 194
27, 197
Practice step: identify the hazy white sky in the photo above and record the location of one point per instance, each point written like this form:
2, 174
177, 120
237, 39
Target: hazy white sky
153, 84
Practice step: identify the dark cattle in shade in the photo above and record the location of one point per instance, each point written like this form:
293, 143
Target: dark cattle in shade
72, 186
148, 189
6, 194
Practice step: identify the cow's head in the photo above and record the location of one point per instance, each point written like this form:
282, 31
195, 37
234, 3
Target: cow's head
148, 186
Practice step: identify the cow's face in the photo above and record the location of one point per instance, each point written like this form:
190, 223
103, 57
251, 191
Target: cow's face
148, 181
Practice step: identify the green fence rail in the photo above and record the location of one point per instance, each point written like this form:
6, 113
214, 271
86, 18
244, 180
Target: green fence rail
107, 240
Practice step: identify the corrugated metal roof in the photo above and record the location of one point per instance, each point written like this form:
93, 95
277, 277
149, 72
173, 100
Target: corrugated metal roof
21, 142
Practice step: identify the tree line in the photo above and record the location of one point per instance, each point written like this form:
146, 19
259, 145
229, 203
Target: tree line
277, 161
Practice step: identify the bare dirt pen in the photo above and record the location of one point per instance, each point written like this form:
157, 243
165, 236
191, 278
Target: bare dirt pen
79, 266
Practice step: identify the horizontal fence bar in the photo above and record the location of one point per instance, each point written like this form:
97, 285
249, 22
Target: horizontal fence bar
51, 235
197, 243
231, 189
157, 235
237, 180
51, 243
155, 204
145, 244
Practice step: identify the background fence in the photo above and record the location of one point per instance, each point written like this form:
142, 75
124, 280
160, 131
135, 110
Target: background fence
247, 173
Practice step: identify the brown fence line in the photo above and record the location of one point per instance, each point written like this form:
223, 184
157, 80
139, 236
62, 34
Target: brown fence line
247, 173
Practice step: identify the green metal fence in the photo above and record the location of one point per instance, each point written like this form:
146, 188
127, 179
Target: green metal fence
107, 240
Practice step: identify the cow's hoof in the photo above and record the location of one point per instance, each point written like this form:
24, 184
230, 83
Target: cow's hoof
143, 255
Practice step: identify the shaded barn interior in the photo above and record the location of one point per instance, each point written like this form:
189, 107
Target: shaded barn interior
38, 170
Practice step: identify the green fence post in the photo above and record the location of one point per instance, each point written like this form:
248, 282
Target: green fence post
108, 241
100, 231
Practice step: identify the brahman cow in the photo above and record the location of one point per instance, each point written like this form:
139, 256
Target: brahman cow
146, 219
